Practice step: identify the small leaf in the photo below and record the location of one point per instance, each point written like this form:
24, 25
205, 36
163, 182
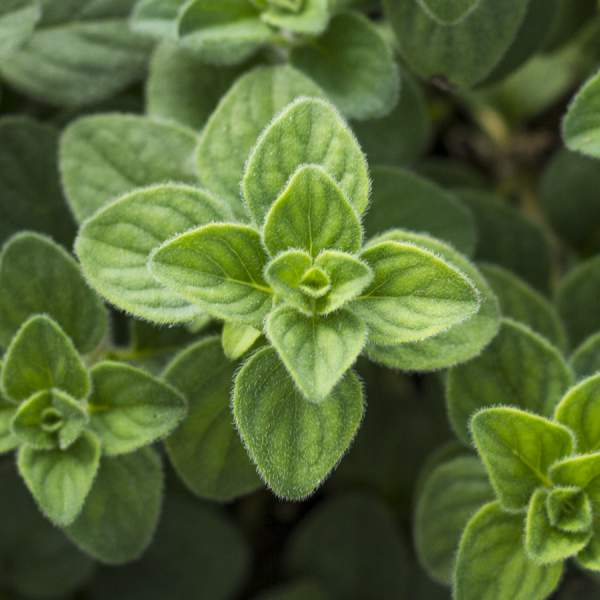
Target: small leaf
491, 557
8, 440
315, 350
585, 360
129, 408
311, 19
103, 157
569, 509
18, 19
355, 66
295, 444
452, 493
205, 449
518, 449
312, 214
519, 368
156, 18
38, 276
114, 245
219, 267
60, 480
581, 127
308, 131
237, 339
544, 543
284, 274
414, 294
120, 515
41, 357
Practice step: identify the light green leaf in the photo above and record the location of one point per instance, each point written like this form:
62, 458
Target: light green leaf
308, 131
459, 344
414, 294
316, 350
156, 17
18, 19
451, 494
219, 267
129, 408
519, 368
103, 157
518, 449
569, 509
60, 480
38, 276
222, 32
205, 450
311, 18
226, 140
491, 557
312, 214
521, 302
585, 360
404, 199
579, 410
355, 66
8, 440
285, 273
581, 127
31, 197
41, 357
120, 515
295, 444
237, 339
114, 245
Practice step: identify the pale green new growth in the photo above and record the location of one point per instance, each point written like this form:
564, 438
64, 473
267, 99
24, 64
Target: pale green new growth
237, 339
308, 17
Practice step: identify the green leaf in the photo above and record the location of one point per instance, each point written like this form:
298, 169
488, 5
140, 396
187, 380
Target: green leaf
103, 157
311, 19
519, 368
569, 509
518, 449
129, 408
38, 276
183, 88
361, 533
156, 18
316, 350
60, 480
114, 245
284, 274
521, 302
355, 66
460, 343
120, 515
8, 440
222, 32
18, 19
295, 444
205, 449
41, 357
452, 493
579, 410
404, 199
585, 360
581, 127
218, 267
30, 192
312, 214
237, 339
491, 557
576, 294
226, 141
414, 294
544, 543
308, 131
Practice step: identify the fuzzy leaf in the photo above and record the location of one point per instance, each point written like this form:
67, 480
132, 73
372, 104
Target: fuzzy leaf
156, 18
451, 494
312, 214
518, 449
284, 274
219, 267
103, 157
60, 480
120, 515
491, 557
38, 276
519, 368
585, 360
237, 339
308, 131
414, 294
8, 440
129, 408
114, 245
311, 19
18, 19
295, 444
355, 66
569, 509
205, 450
41, 357
316, 350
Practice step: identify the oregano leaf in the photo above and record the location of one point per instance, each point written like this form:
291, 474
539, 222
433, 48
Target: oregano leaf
156, 18
237, 339
569, 509
284, 274
8, 440
18, 19
585, 359
311, 19
295, 444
